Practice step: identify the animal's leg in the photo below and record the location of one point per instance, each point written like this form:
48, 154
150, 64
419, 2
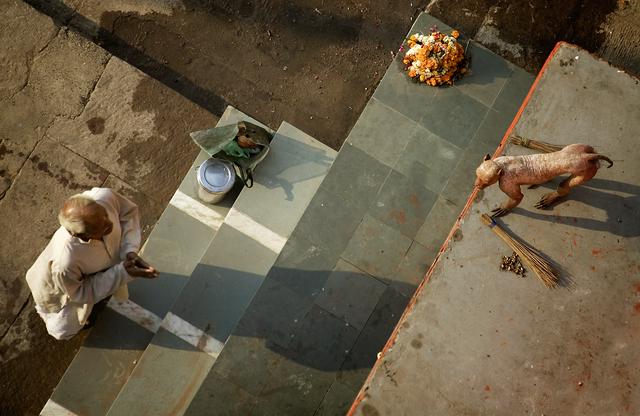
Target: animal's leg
565, 186
515, 196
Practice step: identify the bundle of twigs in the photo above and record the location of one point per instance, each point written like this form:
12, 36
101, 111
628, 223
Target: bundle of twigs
528, 254
535, 144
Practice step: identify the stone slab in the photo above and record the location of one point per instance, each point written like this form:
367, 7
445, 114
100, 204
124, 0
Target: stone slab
428, 159
22, 346
413, 267
294, 389
174, 248
355, 177
37, 87
487, 74
402, 203
329, 222
514, 91
140, 121
166, 358
382, 132
438, 224
337, 400
398, 91
372, 339
304, 266
567, 350
273, 314
321, 340
350, 294
218, 389
376, 248
454, 116
110, 351
223, 283
260, 357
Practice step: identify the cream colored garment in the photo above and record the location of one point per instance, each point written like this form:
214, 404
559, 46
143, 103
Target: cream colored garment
74, 274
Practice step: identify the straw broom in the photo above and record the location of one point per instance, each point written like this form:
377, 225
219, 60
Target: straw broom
535, 144
528, 254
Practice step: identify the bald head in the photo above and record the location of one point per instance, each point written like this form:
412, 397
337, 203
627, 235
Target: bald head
84, 218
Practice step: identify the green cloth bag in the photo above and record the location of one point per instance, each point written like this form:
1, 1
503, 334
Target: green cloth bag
222, 143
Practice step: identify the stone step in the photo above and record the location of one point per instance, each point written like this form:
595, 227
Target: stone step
230, 272
124, 329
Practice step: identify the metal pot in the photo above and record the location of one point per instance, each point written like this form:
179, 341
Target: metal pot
215, 178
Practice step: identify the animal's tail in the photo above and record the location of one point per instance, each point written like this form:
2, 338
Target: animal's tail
603, 157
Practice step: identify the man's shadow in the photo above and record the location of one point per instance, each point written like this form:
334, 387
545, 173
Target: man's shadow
623, 212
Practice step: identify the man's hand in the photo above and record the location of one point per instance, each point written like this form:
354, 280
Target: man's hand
137, 267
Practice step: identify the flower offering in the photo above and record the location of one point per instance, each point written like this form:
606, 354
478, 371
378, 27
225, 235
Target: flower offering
434, 59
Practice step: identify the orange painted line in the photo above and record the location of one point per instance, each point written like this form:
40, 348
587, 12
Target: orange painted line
392, 339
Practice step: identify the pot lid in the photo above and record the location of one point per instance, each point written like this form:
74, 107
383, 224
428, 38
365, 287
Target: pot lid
216, 176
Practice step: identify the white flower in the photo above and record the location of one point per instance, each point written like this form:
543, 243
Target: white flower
431, 39
413, 50
417, 63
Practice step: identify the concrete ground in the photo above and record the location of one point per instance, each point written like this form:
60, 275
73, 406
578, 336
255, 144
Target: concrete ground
315, 65
73, 117
525, 31
480, 341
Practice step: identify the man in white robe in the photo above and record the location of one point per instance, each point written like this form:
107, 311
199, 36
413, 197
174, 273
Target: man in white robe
92, 254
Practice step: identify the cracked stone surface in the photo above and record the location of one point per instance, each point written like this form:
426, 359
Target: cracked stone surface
311, 64
136, 128
28, 216
73, 117
16, 56
64, 74
525, 31
21, 354
61, 69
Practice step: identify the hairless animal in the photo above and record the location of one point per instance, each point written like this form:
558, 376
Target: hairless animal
578, 160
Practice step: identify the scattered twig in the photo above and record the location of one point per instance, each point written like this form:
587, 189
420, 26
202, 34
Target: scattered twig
528, 254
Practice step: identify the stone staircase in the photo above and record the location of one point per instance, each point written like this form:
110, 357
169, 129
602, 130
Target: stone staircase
206, 281
305, 276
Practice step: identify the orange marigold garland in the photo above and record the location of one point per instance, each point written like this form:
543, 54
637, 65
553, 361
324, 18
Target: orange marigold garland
435, 59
